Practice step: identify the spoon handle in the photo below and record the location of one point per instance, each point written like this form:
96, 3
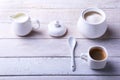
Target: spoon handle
73, 66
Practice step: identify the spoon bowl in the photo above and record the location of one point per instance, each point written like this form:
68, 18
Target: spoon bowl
72, 42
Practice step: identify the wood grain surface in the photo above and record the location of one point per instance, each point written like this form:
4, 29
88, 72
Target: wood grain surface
39, 56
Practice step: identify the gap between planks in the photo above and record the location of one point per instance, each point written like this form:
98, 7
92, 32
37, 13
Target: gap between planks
53, 47
60, 77
55, 67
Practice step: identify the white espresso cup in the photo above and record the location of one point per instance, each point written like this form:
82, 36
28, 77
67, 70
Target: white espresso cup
96, 57
22, 24
92, 23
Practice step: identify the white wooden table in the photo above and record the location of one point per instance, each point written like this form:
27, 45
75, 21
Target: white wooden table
41, 57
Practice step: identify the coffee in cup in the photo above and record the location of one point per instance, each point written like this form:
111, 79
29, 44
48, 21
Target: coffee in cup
97, 53
96, 57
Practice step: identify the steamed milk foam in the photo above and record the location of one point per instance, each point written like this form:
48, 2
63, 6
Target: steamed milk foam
93, 17
21, 17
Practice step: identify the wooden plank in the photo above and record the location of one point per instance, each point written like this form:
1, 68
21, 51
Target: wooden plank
20, 59
54, 66
6, 31
70, 21
70, 4
8, 4
65, 15
52, 47
61, 78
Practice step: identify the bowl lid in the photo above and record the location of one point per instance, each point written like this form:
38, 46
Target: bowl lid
56, 29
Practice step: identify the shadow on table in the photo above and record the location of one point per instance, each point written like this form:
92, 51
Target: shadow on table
107, 34
42, 33
34, 33
106, 37
108, 70
110, 33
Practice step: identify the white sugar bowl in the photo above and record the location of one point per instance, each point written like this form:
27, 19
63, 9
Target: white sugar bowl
56, 29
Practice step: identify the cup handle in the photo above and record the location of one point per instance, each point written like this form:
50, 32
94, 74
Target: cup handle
38, 25
84, 56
